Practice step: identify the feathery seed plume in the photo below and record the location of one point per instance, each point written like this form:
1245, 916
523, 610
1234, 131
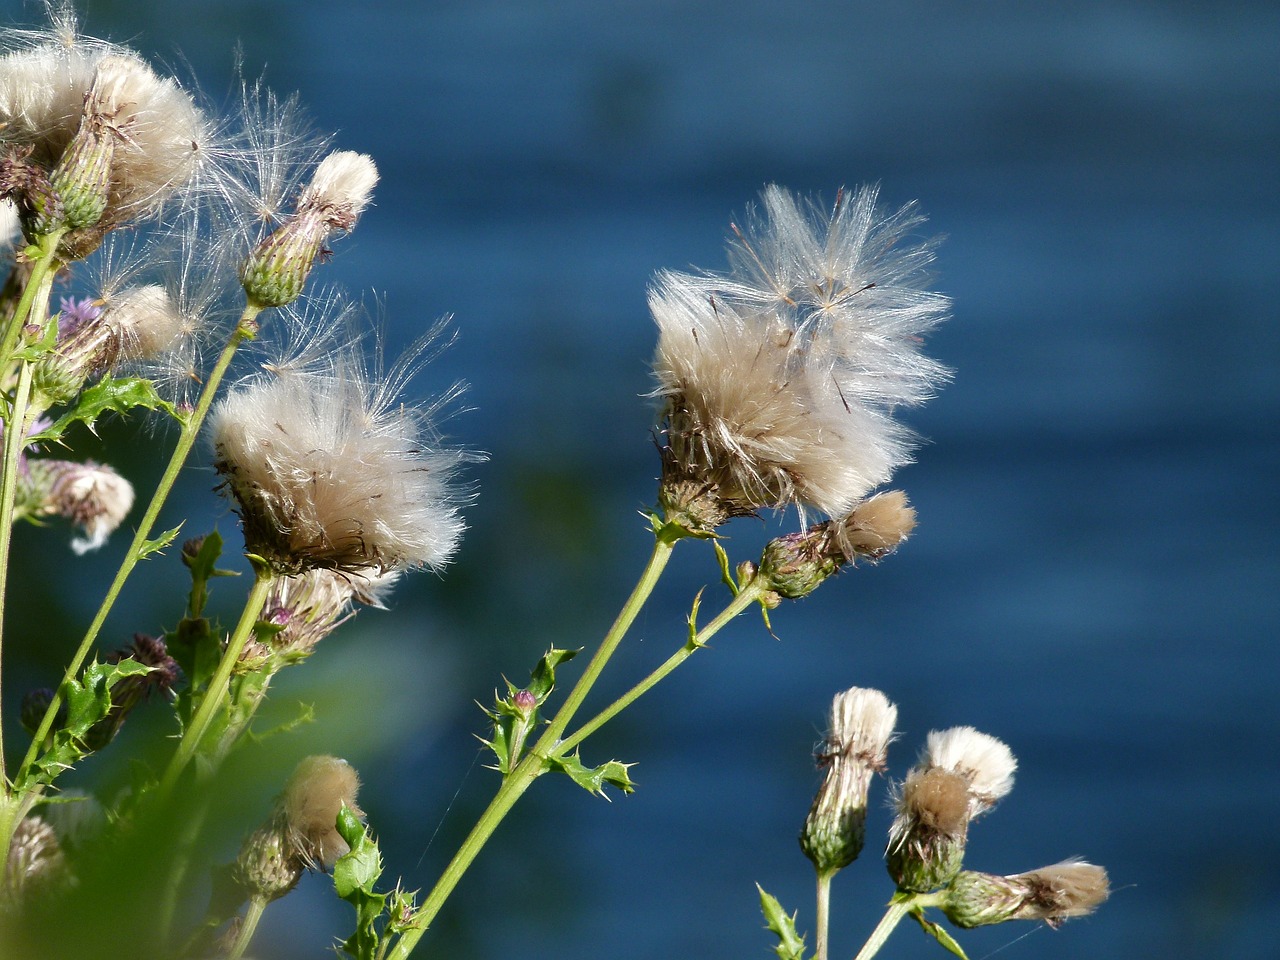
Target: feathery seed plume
330, 470
780, 379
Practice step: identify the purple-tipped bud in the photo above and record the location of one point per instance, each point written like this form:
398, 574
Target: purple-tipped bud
525, 702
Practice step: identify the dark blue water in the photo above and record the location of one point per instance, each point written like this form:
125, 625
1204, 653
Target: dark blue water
1094, 579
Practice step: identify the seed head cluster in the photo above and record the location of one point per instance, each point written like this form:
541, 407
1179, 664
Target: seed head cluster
779, 379
329, 471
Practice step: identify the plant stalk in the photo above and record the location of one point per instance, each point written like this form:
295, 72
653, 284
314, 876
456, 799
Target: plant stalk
245, 330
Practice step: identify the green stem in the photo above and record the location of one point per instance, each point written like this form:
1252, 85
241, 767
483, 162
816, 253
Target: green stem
898, 908
245, 330
748, 595
662, 547
215, 695
822, 914
15, 429
247, 928
535, 762
44, 262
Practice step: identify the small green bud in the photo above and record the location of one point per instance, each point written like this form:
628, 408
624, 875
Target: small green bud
82, 177
796, 564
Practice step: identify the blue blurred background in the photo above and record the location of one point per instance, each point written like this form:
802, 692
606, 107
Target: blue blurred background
1094, 578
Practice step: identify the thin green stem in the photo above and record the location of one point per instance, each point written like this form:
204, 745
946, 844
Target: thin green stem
245, 330
898, 908
43, 264
15, 430
822, 914
215, 695
247, 928
535, 762
662, 548
748, 595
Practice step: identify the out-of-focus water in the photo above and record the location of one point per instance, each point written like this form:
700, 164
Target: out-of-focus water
1094, 579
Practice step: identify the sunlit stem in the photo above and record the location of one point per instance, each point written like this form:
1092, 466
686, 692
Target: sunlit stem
44, 264
14, 434
822, 914
535, 762
900, 906
550, 743
745, 598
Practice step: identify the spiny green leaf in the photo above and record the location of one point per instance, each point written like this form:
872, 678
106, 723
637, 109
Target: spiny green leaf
87, 701
108, 395
790, 943
543, 678
938, 933
159, 543
203, 567
594, 779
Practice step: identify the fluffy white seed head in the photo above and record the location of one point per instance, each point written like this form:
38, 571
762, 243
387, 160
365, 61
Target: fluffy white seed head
344, 180
48, 89
160, 133
861, 725
987, 764
329, 471
780, 379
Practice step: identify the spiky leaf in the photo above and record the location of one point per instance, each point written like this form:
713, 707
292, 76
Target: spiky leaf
594, 779
790, 943
108, 395
86, 701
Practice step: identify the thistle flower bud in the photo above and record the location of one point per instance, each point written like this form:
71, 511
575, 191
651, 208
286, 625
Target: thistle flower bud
309, 607
267, 867
861, 726
88, 494
960, 776
35, 861
796, 564
82, 177
276, 270
134, 325
779, 379
1053, 894
301, 832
